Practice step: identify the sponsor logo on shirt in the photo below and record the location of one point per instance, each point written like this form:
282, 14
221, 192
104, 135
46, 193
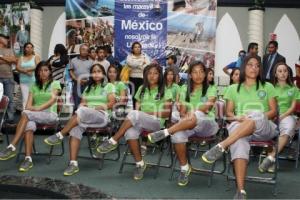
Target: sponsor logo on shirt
261, 94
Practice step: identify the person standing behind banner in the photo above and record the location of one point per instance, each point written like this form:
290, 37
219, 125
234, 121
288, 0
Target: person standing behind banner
137, 61
79, 71
58, 63
101, 58
26, 67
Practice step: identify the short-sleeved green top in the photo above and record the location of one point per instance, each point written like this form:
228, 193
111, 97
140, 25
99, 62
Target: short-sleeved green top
120, 86
98, 95
250, 99
149, 103
175, 89
197, 100
285, 96
41, 96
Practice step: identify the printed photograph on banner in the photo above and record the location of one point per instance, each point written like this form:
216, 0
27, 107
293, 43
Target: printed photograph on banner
195, 7
5, 19
76, 9
190, 31
186, 56
20, 26
93, 31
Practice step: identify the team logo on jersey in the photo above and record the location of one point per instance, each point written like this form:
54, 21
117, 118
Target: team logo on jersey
290, 93
204, 99
261, 94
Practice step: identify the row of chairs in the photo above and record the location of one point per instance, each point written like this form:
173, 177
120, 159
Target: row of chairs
194, 145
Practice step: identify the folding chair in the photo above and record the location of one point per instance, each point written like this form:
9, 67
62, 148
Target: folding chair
273, 143
205, 141
43, 127
3, 109
103, 131
162, 145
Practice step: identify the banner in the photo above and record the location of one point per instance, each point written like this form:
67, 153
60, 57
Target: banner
183, 28
15, 22
192, 31
89, 22
142, 21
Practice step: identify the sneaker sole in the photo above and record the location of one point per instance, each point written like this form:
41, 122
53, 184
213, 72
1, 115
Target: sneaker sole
51, 144
25, 170
184, 184
261, 170
70, 174
206, 161
9, 157
103, 152
149, 139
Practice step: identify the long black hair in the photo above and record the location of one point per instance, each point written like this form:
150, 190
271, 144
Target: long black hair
118, 72
161, 85
289, 79
231, 75
91, 81
259, 78
212, 82
190, 84
169, 69
37, 70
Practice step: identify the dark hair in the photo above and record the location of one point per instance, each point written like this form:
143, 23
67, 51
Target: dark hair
231, 75
275, 43
61, 49
108, 49
212, 82
133, 44
190, 83
289, 80
91, 81
169, 69
161, 85
173, 57
25, 45
100, 48
37, 70
118, 72
92, 49
251, 45
242, 51
259, 78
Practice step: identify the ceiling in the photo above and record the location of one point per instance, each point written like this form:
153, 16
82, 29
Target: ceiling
235, 3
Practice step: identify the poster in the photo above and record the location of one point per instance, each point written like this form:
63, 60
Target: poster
90, 22
142, 21
20, 26
185, 28
192, 32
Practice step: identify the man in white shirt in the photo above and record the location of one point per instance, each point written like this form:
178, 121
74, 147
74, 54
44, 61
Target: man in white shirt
101, 58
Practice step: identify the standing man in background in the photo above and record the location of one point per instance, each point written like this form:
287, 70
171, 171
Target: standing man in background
271, 59
79, 71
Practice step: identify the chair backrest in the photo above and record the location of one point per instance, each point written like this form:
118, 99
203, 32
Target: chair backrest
220, 109
3, 108
60, 104
4, 103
